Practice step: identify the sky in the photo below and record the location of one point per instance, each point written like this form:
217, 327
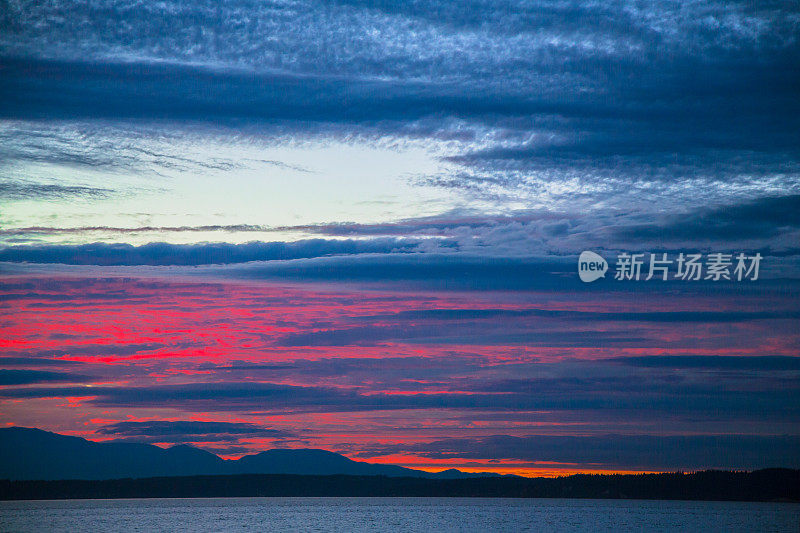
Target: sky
355, 225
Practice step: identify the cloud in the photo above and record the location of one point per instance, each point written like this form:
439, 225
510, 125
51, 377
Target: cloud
196, 254
461, 333
189, 430
619, 451
765, 363
395, 372
471, 271
92, 350
141, 229
461, 369
667, 102
118, 90
637, 396
432, 270
401, 264
31, 191
35, 361
766, 225
25, 377
646, 316
765, 217
631, 101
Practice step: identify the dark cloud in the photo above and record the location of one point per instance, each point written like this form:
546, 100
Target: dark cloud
713, 362
120, 349
33, 191
92, 147
35, 361
409, 374
445, 271
197, 254
618, 93
470, 271
24, 377
463, 332
141, 229
765, 217
688, 133
461, 370
767, 225
713, 398
620, 451
645, 316
41, 89
397, 264
183, 429
67, 299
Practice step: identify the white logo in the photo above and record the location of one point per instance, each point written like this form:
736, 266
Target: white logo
662, 266
591, 266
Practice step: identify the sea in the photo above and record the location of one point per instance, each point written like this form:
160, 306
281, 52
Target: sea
394, 515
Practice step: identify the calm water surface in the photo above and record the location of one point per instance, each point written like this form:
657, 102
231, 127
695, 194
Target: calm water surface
395, 514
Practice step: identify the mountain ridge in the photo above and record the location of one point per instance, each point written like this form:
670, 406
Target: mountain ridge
36, 454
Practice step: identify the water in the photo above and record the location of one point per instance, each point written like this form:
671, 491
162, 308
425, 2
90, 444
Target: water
395, 514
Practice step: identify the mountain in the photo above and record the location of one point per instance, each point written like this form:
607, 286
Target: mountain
29, 453
316, 462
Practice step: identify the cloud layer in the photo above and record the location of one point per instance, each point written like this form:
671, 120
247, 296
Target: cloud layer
611, 106
502, 379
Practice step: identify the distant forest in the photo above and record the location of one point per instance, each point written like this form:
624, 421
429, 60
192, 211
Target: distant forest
761, 485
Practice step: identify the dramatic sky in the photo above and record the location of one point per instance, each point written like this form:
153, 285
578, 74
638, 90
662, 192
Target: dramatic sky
354, 225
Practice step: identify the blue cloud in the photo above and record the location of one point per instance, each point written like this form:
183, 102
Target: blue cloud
620, 451
198, 254
615, 94
25, 377
713, 362
181, 431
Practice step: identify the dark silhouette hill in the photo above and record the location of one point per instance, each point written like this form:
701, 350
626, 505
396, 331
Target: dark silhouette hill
317, 462
34, 454
36, 464
27, 453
